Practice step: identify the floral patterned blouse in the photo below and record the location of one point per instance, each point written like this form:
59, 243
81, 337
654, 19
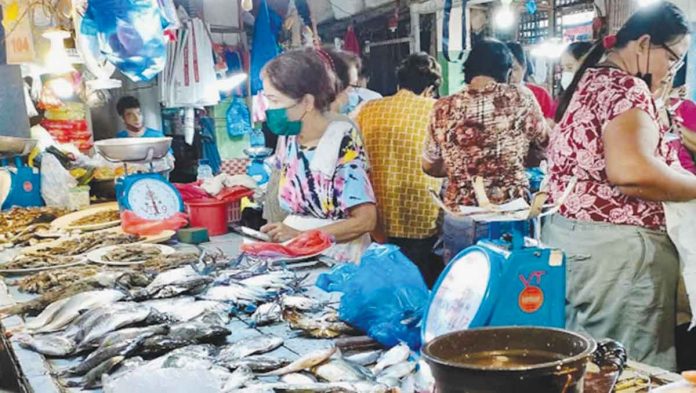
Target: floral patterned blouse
576, 149
485, 133
308, 192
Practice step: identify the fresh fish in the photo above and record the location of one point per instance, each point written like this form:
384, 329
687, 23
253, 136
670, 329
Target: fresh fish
249, 346
237, 294
131, 333
122, 314
171, 307
181, 335
396, 355
47, 344
92, 379
77, 304
298, 379
238, 379
276, 280
214, 317
397, 371
46, 316
101, 355
257, 364
319, 387
305, 362
172, 283
301, 303
317, 326
267, 314
365, 358
98, 281
339, 370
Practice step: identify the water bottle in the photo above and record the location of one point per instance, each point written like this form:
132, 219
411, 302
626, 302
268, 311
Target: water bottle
204, 170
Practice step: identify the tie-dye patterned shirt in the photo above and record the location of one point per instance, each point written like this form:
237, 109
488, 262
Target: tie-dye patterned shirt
308, 192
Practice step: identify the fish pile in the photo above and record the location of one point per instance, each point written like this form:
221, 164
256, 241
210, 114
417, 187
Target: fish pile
101, 217
132, 253
18, 225
44, 281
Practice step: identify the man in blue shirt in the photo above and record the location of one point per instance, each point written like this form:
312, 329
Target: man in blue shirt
128, 108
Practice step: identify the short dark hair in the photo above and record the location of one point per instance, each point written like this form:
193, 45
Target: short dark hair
342, 63
489, 57
302, 72
418, 72
126, 102
517, 51
579, 49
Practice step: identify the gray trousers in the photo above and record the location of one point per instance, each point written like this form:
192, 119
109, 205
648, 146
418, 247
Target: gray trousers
621, 284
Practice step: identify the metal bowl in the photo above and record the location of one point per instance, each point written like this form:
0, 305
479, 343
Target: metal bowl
133, 149
12, 146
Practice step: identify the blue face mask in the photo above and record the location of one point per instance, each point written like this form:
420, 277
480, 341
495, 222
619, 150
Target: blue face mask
353, 102
279, 124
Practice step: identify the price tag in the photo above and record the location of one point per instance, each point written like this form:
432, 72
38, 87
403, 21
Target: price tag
19, 43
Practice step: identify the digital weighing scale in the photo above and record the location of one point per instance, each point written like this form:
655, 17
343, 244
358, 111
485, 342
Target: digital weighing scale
258, 169
509, 279
148, 195
20, 185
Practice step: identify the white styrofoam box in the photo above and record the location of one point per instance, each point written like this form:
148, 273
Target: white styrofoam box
343, 9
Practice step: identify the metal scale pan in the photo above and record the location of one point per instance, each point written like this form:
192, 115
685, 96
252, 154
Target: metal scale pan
134, 150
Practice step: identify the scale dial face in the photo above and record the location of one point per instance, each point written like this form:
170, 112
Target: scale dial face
153, 199
460, 295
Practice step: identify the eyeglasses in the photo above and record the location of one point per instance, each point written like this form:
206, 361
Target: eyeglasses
680, 59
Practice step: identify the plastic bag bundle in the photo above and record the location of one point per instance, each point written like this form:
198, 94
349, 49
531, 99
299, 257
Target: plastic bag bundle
385, 296
56, 182
133, 224
131, 35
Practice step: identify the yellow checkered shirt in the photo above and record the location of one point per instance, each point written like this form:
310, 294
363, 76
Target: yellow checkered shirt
394, 130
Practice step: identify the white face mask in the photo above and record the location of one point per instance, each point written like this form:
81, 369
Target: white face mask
566, 79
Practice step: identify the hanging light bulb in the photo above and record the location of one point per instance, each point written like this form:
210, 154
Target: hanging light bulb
504, 17
57, 60
247, 5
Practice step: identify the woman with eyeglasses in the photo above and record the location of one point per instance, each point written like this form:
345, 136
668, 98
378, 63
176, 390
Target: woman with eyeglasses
622, 268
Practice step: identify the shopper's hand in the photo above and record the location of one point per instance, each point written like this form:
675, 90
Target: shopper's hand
279, 232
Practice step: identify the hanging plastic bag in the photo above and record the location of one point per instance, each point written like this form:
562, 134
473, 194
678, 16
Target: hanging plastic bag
385, 296
238, 118
131, 35
56, 182
135, 225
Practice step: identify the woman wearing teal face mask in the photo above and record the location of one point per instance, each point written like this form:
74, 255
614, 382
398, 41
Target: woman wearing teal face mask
323, 180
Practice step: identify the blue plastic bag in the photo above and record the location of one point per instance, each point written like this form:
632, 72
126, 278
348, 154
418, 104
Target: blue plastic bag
238, 118
131, 35
385, 296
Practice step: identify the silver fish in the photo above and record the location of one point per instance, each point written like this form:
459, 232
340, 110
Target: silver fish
181, 335
267, 314
236, 293
365, 358
396, 355
339, 370
274, 280
301, 303
122, 314
239, 378
99, 356
305, 362
92, 379
298, 379
171, 307
130, 333
397, 371
250, 346
214, 317
47, 344
46, 315
78, 304
172, 283
320, 387
258, 364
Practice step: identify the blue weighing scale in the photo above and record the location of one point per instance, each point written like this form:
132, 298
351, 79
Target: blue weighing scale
258, 169
508, 279
22, 183
148, 195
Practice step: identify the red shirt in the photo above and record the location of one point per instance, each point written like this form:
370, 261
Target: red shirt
577, 149
544, 99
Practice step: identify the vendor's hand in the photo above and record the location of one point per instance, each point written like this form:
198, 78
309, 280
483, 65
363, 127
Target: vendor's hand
279, 232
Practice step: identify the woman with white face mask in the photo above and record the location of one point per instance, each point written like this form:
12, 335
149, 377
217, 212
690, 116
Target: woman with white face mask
571, 59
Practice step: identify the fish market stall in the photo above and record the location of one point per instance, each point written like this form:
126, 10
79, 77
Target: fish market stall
250, 343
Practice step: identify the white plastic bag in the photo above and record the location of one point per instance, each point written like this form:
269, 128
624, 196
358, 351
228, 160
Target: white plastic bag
682, 231
56, 182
